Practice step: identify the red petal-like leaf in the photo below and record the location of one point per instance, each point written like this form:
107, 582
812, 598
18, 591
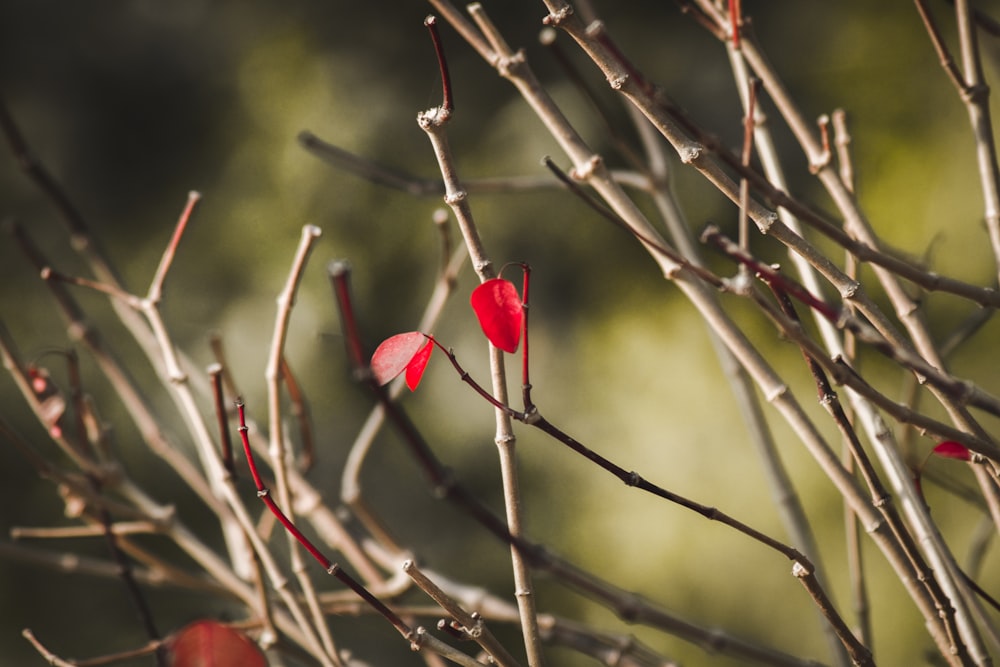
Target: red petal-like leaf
394, 354
498, 307
415, 369
953, 450
212, 644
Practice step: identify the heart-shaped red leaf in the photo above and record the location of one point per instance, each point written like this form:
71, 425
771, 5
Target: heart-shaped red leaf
415, 369
212, 644
394, 354
953, 450
498, 307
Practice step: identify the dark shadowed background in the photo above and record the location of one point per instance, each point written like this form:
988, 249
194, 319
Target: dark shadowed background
133, 104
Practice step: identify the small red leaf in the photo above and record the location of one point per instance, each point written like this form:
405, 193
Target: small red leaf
953, 450
498, 307
415, 369
394, 354
212, 644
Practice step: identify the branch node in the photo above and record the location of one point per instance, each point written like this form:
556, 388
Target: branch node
509, 65
454, 198
776, 392
586, 169
850, 289
690, 153
799, 570
558, 17
766, 222
618, 82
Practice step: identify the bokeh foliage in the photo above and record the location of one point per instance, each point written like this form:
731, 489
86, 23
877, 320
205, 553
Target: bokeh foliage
133, 104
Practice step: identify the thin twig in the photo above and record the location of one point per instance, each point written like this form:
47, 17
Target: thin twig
975, 94
390, 177
278, 450
469, 624
773, 388
433, 123
629, 606
155, 292
416, 637
803, 569
215, 372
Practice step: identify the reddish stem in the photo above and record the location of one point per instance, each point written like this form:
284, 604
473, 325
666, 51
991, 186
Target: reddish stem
340, 278
529, 406
331, 568
770, 275
735, 20
525, 379
215, 372
447, 102
156, 287
265, 495
466, 378
824, 133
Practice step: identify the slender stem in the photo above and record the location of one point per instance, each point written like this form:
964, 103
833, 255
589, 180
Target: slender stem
447, 101
156, 286
855, 223
880, 497
842, 143
215, 372
589, 166
469, 624
548, 38
433, 123
339, 273
976, 94
416, 637
278, 450
417, 186
170, 526
735, 21
135, 593
749, 122
331, 567
46, 654
325, 522
181, 392
300, 411
843, 319
525, 366
629, 606
783, 491
805, 570
943, 53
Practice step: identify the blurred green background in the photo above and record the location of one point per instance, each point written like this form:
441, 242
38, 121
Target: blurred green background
132, 104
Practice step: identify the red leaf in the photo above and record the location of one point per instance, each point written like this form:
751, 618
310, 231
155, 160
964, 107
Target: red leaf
498, 307
953, 450
212, 644
415, 369
394, 354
